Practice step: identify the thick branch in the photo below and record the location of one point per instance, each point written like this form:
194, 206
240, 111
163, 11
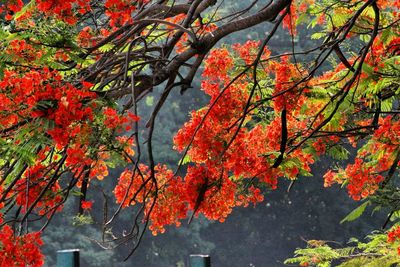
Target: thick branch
203, 46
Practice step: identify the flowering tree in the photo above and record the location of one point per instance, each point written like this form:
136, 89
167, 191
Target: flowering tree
72, 73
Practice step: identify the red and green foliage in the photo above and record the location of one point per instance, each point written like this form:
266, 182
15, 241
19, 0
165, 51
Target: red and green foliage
72, 72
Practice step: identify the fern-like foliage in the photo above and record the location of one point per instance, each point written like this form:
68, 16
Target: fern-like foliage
376, 251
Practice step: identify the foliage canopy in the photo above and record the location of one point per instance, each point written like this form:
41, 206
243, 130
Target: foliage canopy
72, 73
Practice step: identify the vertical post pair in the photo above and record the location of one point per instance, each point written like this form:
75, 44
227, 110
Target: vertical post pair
70, 258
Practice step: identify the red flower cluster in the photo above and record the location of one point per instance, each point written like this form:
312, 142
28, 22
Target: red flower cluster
249, 50
376, 157
394, 235
214, 197
20, 250
11, 7
86, 37
286, 90
21, 51
64, 9
86, 205
217, 64
362, 179
166, 203
120, 11
41, 94
99, 168
253, 151
113, 120
28, 189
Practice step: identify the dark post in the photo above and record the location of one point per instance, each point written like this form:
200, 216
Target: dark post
68, 258
200, 261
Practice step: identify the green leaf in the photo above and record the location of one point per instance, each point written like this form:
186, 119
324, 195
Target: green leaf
356, 212
304, 17
185, 160
106, 48
338, 152
23, 10
82, 219
76, 193
318, 35
150, 101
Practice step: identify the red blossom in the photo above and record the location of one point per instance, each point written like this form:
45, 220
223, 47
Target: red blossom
86, 205
20, 250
